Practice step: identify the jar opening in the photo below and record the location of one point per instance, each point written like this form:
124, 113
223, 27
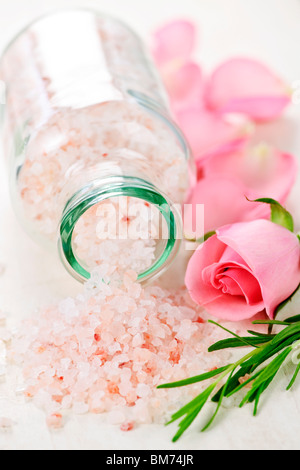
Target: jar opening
123, 221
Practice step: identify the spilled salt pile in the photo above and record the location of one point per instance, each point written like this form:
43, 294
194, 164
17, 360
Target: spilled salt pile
109, 348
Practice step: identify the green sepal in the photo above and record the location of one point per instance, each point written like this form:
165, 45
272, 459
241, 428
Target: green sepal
279, 215
208, 235
203, 239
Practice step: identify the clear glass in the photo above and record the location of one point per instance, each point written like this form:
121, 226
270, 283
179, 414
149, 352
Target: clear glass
87, 123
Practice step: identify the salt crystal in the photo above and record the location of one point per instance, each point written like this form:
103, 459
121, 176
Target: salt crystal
228, 402
187, 312
68, 307
120, 358
65, 363
137, 340
142, 411
6, 423
54, 421
80, 408
37, 371
66, 402
143, 390
187, 328
125, 387
127, 426
115, 347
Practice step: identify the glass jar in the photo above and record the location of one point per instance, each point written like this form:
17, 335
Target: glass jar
97, 165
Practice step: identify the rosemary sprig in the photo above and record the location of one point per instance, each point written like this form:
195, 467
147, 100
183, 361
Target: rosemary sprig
260, 366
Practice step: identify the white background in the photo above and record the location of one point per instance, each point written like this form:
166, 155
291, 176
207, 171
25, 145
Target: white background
265, 29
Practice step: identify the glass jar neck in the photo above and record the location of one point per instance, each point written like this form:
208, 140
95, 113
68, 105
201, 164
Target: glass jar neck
102, 189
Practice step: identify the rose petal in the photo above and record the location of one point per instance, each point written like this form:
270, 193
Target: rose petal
247, 86
224, 201
230, 286
273, 255
223, 306
205, 255
175, 40
184, 84
260, 108
232, 308
218, 275
264, 170
208, 133
246, 283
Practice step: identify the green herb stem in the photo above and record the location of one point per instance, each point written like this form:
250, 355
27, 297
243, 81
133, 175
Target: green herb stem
262, 364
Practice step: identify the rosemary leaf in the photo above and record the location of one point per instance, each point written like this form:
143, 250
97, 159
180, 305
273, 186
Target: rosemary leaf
195, 379
245, 341
269, 372
218, 406
238, 342
262, 364
294, 377
198, 402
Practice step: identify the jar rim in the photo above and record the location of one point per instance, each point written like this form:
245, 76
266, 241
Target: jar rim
113, 187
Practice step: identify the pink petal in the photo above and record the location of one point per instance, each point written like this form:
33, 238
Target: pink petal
175, 40
247, 284
229, 285
264, 170
184, 84
224, 201
273, 255
232, 308
223, 306
207, 254
208, 134
261, 108
247, 86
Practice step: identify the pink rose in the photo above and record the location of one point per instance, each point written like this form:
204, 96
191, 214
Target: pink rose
244, 269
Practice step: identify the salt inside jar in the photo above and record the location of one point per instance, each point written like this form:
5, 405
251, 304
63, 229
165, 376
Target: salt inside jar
96, 163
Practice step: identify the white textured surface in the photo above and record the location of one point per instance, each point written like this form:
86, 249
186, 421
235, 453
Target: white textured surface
268, 30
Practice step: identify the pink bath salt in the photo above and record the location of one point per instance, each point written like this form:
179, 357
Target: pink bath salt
109, 357
55, 421
244, 379
6, 423
127, 426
